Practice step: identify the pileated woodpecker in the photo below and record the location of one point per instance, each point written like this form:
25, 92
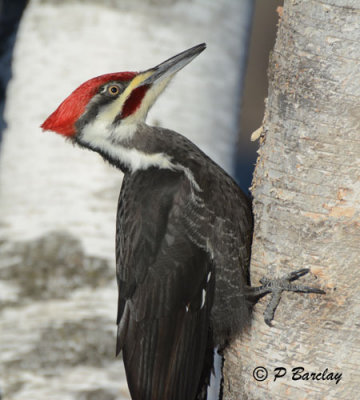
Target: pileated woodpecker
183, 235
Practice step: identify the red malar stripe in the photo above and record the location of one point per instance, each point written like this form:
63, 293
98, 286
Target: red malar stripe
133, 102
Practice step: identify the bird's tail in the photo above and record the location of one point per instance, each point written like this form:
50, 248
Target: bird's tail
166, 358
208, 369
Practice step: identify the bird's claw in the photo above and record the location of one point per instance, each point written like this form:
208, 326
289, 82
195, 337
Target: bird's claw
277, 286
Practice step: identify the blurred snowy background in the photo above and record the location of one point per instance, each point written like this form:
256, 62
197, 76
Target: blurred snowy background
58, 203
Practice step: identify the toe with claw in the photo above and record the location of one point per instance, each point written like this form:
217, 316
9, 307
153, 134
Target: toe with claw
276, 286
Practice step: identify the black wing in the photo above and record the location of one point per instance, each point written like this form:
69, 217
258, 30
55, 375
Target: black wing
166, 288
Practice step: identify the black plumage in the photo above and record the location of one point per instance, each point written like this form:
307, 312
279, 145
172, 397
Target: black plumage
183, 245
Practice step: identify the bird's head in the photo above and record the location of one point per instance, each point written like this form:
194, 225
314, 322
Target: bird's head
113, 104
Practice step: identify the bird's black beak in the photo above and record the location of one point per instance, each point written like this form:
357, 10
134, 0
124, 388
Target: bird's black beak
169, 67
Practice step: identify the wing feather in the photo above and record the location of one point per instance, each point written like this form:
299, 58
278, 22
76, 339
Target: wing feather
165, 297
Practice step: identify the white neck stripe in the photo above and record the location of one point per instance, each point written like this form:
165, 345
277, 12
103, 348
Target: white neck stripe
133, 159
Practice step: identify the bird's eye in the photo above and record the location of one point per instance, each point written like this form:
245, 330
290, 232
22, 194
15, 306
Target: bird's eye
113, 90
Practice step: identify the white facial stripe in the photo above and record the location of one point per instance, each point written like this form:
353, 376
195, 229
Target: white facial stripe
110, 111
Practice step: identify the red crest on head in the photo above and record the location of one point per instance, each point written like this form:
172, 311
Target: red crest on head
63, 119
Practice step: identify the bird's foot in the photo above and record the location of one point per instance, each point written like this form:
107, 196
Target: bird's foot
278, 285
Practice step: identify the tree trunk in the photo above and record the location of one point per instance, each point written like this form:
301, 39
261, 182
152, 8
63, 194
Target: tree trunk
307, 214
